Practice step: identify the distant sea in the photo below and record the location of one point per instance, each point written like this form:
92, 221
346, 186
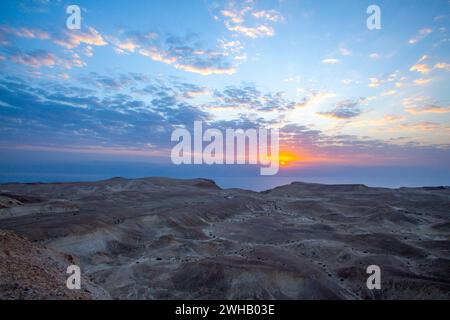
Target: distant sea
246, 177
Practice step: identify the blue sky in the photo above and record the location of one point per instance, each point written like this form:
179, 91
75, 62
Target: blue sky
343, 96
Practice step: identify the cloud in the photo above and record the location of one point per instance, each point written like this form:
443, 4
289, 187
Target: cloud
231, 47
420, 126
392, 118
421, 68
190, 91
318, 147
375, 82
206, 69
124, 46
183, 53
330, 61
347, 81
96, 80
345, 109
315, 97
88, 51
423, 105
269, 15
184, 58
242, 19
29, 33
442, 66
52, 114
55, 114
374, 56
253, 32
72, 39
42, 58
344, 51
388, 93
430, 108
421, 35
68, 39
292, 79
248, 98
422, 81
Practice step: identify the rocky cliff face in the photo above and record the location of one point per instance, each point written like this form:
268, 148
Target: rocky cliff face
159, 238
30, 271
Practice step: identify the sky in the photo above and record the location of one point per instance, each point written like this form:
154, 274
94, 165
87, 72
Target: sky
352, 105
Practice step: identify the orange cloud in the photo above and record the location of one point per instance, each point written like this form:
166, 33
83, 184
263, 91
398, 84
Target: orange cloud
420, 67
75, 38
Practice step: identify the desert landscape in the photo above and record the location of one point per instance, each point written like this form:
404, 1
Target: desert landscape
160, 238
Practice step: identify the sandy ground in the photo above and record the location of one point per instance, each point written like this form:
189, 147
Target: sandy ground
159, 238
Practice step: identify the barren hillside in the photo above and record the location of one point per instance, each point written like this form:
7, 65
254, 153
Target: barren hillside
159, 238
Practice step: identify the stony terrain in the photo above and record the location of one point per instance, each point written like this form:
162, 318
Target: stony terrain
30, 271
159, 238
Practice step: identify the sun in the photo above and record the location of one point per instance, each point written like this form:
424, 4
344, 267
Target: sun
287, 157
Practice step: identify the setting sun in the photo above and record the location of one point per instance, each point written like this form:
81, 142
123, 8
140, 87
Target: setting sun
287, 157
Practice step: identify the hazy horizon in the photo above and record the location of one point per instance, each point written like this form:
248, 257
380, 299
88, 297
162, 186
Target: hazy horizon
244, 177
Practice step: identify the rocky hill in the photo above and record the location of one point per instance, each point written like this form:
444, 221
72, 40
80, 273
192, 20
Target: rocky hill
157, 238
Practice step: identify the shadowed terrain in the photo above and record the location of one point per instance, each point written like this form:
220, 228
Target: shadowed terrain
158, 238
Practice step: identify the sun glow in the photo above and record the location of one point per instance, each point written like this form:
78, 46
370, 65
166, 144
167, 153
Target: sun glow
288, 158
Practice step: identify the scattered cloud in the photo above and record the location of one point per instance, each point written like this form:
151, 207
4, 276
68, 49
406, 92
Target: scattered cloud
388, 93
292, 79
330, 61
420, 66
268, 15
42, 58
442, 66
422, 81
72, 39
53, 113
347, 81
243, 19
124, 46
430, 108
420, 35
420, 126
253, 32
343, 110
423, 105
30, 33
111, 121
183, 53
250, 98
375, 82
316, 97
424, 68
344, 51
88, 51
